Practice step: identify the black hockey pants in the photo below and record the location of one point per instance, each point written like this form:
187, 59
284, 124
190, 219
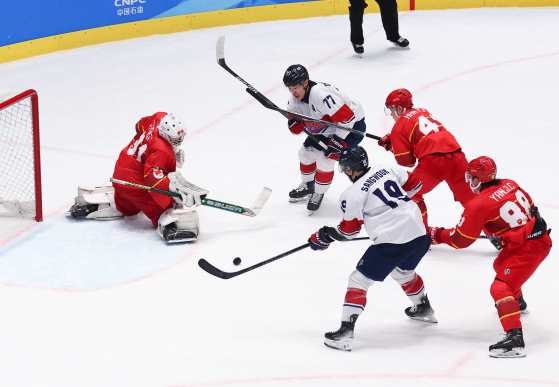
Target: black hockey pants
388, 14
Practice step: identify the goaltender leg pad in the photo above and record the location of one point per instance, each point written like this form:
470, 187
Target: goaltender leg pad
179, 225
95, 203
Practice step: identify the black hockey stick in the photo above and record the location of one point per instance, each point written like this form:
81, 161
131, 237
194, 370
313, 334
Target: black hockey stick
208, 267
270, 105
220, 56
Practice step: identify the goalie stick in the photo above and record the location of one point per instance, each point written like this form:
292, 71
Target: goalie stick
270, 105
220, 56
248, 211
211, 269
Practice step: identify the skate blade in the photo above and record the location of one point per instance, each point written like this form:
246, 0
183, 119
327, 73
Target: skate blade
403, 48
525, 311
359, 55
503, 353
340, 345
295, 200
430, 318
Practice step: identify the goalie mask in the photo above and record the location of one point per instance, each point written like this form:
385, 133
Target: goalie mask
172, 129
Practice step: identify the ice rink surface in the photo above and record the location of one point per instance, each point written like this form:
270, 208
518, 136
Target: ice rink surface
109, 304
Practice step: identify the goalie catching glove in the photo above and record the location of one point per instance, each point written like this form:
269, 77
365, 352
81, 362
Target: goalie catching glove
190, 193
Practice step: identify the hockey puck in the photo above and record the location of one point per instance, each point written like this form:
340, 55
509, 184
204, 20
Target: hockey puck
237, 261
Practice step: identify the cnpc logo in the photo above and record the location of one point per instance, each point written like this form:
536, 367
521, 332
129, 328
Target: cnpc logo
121, 3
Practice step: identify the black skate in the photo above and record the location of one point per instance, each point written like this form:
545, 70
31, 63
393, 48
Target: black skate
359, 50
422, 312
172, 234
511, 346
79, 211
342, 338
401, 42
496, 244
303, 192
314, 202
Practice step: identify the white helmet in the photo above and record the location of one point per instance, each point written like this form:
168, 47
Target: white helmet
172, 129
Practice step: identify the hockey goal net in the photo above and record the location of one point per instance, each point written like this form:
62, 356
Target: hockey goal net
20, 167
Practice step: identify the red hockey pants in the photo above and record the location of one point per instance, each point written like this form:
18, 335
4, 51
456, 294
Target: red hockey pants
434, 169
130, 201
514, 265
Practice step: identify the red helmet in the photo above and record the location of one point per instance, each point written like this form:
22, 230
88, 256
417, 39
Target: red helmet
399, 97
484, 168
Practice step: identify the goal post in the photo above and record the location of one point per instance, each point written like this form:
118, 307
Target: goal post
20, 158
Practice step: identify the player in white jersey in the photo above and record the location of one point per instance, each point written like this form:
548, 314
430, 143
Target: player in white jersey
379, 199
324, 102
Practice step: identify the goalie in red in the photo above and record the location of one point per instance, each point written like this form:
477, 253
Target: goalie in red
416, 135
151, 159
502, 209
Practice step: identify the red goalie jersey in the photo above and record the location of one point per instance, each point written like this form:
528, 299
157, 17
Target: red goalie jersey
147, 160
417, 134
502, 210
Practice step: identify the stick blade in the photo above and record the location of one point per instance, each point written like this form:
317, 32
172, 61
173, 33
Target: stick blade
220, 49
211, 269
260, 201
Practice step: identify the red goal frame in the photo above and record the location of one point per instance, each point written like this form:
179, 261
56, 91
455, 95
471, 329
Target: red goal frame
36, 145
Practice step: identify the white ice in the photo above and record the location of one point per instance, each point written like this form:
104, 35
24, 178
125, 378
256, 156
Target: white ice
109, 304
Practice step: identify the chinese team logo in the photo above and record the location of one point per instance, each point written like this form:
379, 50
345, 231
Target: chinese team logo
158, 172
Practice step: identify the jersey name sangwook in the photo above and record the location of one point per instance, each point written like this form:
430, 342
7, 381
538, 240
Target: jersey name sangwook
373, 179
501, 192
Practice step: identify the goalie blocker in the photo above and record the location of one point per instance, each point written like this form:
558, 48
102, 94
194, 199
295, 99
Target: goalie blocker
175, 224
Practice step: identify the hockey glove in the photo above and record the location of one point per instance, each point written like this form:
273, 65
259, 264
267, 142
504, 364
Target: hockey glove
320, 240
296, 125
386, 143
180, 158
435, 235
335, 148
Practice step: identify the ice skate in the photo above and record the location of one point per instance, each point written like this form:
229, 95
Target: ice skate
303, 192
342, 338
314, 202
172, 234
511, 346
80, 211
402, 43
422, 312
359, 50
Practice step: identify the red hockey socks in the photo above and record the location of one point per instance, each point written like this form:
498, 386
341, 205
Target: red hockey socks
507, 307
355, 301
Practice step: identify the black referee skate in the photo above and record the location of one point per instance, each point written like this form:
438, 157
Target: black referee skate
401, 42
359, 50
422, 312
314, 202
342, 338
511, 346
172, 234
303, 192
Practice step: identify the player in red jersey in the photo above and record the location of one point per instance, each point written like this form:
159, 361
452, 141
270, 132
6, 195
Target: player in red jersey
418, 136
151, 160
502, 209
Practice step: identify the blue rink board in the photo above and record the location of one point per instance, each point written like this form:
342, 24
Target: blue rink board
64, 253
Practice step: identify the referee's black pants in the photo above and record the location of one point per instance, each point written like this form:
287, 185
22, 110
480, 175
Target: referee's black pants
388, 14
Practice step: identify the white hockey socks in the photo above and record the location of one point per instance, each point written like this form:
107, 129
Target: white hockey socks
411, 284
356, 296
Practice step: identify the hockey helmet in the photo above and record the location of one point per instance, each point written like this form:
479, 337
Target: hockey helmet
353, 159
484, 168
172, 129
294, 75
398, 97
